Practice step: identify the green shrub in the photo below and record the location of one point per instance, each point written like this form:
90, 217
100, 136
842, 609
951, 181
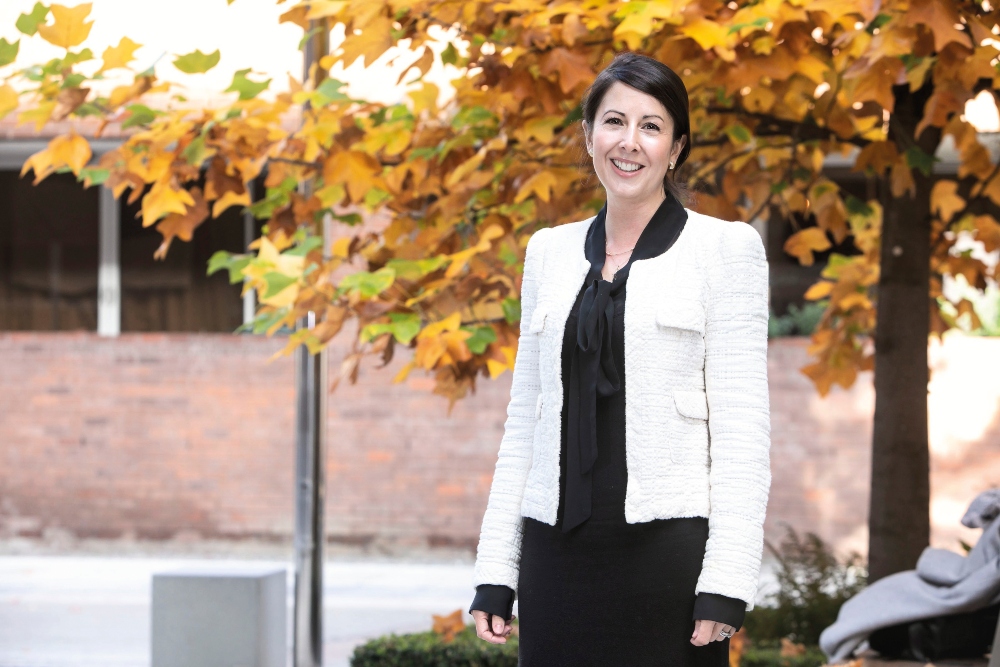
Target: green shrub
797, 321
427, 649
769, 655
812, 586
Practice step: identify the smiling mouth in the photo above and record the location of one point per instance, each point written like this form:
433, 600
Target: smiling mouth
626, 166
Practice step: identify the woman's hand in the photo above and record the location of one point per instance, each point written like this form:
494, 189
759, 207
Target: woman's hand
491, 627
707, 631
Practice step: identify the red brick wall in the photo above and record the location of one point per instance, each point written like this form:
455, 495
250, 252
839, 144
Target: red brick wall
163, 435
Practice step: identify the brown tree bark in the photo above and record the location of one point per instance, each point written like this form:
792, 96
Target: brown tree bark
899, 510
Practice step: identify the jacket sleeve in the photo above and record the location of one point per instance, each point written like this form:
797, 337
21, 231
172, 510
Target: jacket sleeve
498, 555
739, 414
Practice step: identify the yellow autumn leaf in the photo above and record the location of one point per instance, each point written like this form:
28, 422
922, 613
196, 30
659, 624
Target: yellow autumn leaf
450, 323
119, 56
945, 200
8, 100
289, 265
495, 368
342, 247
819, 290
163, 199
68, 150
425, 98
230, 198
711, 35
374, 40
803, 243
319, 9
854, 299
540, 185
464, 169
69, 27
40, 115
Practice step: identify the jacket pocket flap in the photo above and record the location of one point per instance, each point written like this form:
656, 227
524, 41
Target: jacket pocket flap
692, 404
537, 321
681, 314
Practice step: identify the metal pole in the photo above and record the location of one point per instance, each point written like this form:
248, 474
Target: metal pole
310, 436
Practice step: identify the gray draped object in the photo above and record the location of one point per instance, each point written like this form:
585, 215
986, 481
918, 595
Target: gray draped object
943, 583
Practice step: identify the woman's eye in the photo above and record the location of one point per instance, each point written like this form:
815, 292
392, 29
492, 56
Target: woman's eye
614, 120
652, 126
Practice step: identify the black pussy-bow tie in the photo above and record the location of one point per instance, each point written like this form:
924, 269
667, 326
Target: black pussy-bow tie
592, 367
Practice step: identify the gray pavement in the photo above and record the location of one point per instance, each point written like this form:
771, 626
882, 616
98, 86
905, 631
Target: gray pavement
94, 611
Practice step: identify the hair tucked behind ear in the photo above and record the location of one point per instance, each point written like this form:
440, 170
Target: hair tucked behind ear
658, 81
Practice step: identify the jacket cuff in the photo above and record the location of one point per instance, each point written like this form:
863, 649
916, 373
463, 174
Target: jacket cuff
494, 599
720, 608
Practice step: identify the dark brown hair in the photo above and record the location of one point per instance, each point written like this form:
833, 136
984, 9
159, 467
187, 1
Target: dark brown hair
658, 81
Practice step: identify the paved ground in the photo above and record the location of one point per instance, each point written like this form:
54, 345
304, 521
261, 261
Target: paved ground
93, 611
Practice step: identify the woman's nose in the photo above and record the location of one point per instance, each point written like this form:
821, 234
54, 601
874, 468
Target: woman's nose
629, 141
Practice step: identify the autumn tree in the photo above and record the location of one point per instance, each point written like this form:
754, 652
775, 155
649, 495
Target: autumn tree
775, 87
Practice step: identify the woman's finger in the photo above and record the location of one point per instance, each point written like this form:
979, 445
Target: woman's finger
704, 631
498, 625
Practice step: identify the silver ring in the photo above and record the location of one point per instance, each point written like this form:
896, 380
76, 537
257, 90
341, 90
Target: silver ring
723, 633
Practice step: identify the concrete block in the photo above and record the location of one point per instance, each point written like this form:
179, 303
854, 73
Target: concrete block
220, 616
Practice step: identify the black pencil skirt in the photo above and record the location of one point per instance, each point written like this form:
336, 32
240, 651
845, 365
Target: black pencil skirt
609, 593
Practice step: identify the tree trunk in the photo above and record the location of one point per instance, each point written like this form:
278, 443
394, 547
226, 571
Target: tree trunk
899, 512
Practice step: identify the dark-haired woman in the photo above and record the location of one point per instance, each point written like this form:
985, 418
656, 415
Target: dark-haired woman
628, 501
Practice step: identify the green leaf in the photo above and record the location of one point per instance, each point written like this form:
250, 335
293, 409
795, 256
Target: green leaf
376, 196
481, 337
367, 284
403, 326
511, 310
246, 88
739, 134
329, 91
139, 115
450, 55
305, 247
83, 55
917, 159
97, 176
348, 218
194, 153
8, 51
507, 255
232, 263
197, 62
276, 282
28, 23
415, 269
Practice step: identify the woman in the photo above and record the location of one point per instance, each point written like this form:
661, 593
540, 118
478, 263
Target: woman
629, 523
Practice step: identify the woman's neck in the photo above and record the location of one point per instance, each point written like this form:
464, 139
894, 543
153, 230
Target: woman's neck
625, 220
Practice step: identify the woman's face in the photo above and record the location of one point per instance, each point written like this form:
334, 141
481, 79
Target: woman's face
632, 143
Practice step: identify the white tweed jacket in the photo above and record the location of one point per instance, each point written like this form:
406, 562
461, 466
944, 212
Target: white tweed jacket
696, 406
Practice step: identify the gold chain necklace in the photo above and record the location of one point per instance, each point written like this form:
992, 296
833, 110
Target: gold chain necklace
613, 254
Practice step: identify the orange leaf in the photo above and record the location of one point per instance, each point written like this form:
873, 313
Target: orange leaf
945, 200
802, 244
448, 626
374, 40
819, 290
67, 102
182, 225
540, 185
573, 68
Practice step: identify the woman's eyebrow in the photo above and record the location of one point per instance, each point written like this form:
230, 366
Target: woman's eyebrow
649, 115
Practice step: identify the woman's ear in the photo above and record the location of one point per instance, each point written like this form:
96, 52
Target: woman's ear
677, 149
586, 139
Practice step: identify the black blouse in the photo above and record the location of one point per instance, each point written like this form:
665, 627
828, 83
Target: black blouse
593, 373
